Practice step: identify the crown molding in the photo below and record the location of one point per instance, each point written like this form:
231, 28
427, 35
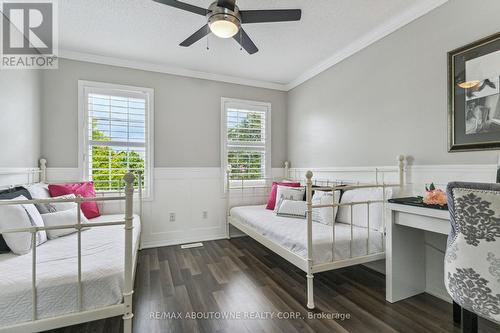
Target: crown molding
159, 68
373, 36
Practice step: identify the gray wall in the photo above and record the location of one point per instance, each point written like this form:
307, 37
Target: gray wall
390, 98
187, 114
20, 102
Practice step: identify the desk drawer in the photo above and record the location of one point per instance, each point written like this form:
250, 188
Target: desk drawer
422, 222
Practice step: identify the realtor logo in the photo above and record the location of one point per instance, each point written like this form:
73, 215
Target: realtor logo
29, 34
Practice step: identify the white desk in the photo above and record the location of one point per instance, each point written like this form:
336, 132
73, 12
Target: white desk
405, 249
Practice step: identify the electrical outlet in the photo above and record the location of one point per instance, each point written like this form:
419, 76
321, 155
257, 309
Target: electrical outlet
205, 214
172, 217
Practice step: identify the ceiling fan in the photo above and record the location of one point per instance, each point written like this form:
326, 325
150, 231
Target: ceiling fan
225, 20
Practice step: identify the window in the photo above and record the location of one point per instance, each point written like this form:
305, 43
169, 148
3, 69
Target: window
246, 137
116, 132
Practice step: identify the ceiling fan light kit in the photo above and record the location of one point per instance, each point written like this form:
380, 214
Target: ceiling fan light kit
225, 20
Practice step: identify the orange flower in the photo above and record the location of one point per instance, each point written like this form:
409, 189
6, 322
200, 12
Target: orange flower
436, 197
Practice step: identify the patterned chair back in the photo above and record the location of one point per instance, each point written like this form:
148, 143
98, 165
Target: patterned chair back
472, 260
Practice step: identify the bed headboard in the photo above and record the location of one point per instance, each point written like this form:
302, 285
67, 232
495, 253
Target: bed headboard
241, 193
352, 175
12, 177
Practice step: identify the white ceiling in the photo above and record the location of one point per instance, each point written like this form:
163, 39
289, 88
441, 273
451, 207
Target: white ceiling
143, 31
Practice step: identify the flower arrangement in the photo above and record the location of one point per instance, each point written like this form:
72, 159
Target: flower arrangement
435, 196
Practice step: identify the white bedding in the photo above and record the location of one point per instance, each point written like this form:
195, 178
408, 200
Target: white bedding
102, 273
291, 233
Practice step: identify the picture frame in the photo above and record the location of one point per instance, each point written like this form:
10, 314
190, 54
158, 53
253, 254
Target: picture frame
474, 96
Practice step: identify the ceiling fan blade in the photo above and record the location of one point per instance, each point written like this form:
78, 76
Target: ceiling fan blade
245, 41
229, 4
202, 32
273, 15
184, 6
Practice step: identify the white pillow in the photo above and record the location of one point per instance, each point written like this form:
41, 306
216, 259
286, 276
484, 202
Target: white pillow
21, 216
64, 217
40, 191
325, 215
35, 220
292, 208
289, 193
61, 206
360, 212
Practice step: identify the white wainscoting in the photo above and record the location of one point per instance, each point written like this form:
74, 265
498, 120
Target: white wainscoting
185, 192
13, 176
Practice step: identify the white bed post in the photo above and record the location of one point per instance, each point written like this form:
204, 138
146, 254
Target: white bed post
43, 170
228, 173
287, 170
310, 277
129, 217
401, 169
139, 189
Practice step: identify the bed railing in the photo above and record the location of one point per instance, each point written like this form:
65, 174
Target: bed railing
125, 308
333, 185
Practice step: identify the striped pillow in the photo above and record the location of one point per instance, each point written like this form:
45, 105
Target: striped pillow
292, 208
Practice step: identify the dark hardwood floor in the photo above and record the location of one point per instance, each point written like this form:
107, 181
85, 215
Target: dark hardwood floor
242, 278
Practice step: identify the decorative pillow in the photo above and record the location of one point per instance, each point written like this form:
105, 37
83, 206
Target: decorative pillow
60, 206
360, 212
40, 191
84, 189
325, 215
292, 208
7, 195
271, 201
4, 248
289, 193
14, 193
21, 216
35, 220
64, 217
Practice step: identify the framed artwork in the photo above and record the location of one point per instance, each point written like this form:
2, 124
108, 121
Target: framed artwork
473, 96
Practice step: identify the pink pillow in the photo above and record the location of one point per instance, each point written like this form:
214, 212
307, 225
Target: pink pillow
271, 201
84, 189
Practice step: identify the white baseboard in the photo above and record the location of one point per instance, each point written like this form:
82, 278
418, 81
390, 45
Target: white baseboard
179, 241
154, 244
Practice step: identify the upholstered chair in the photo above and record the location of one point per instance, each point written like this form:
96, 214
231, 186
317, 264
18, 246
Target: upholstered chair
472, 260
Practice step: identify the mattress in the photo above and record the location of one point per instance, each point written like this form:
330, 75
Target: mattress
291, 233
57, 264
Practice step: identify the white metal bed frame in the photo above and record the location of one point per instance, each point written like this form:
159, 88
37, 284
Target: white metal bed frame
307, 264
125, 307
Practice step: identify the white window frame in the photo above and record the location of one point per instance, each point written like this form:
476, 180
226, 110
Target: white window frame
246, 104
83, 140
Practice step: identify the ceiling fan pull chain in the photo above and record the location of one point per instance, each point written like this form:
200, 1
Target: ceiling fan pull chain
208, 36
241, 40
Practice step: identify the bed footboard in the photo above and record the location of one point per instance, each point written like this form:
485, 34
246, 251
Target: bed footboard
352, 260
